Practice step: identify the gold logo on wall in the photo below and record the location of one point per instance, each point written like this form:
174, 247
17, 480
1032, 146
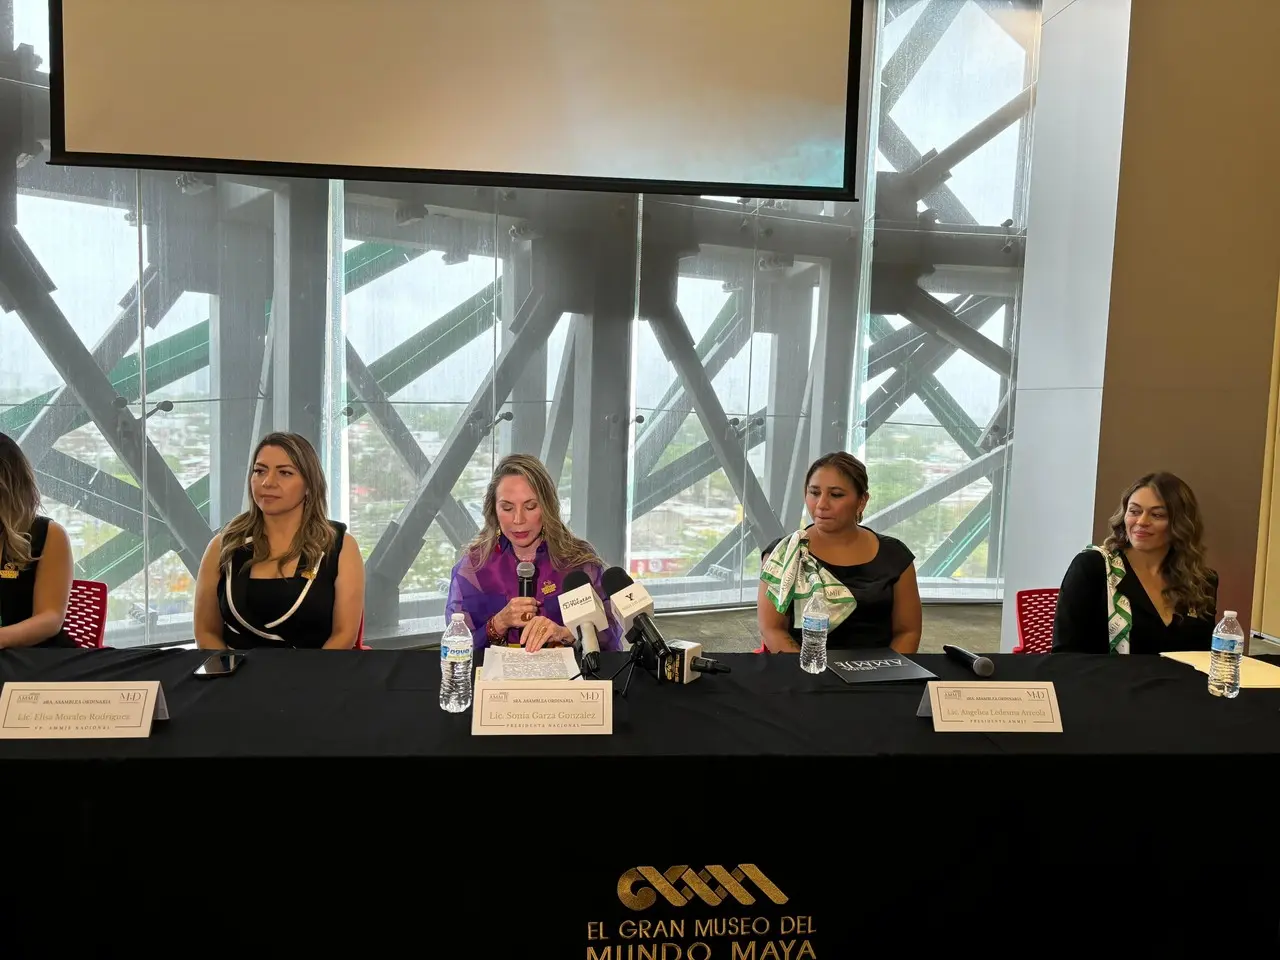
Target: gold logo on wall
639, 887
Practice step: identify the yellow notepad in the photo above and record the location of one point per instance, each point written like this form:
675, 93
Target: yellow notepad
1254, 674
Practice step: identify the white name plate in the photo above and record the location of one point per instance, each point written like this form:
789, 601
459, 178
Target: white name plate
993, 706
82, 710
533, 708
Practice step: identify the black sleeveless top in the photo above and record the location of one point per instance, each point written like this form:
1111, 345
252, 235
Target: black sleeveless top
278, 612
18, 587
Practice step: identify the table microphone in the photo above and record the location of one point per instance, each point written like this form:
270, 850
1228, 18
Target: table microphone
980, 665
687, 663
581, 612
526, 571
633, 607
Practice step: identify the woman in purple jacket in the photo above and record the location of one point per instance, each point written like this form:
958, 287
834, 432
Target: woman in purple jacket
522, 524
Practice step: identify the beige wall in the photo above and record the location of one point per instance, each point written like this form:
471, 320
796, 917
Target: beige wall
1195, 271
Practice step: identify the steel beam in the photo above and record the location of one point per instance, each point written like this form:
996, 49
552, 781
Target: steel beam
298, 308
25, 288
237, 345
555, 442
833, 353
931, 314
960, 542
602, 272
524, 433
454, 519
689, 468
666, 419
789, 311
400, 543
59, 417
677, 345
916, 373
914, 49
913, 503
83, 487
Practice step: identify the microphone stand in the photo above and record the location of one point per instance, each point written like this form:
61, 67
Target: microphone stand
638, 649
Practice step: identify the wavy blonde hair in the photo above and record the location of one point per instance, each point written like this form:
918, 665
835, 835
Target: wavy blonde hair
567, 551
315, 534
19, 503
1188, 577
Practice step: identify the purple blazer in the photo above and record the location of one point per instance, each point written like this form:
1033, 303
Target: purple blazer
482, 592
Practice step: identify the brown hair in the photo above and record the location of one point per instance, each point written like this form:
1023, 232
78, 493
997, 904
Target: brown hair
315, 535
19, 503
1184, 567
567, 551
850, 466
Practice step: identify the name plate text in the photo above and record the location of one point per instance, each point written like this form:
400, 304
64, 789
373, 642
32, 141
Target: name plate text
81, 710
531, 707
993, 706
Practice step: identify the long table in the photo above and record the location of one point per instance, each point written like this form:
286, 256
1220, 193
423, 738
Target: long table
838, 799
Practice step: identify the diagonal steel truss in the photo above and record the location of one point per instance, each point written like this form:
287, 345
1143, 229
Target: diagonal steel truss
104, 382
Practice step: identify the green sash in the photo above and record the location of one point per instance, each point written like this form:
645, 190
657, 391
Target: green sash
1119, 610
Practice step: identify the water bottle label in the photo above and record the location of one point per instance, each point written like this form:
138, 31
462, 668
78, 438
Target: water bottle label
454, 652
1227, 644
816, 624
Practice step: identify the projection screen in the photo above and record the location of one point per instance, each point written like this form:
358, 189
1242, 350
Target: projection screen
751, 95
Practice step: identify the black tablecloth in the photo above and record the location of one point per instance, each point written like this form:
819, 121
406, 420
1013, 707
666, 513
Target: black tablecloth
841, 794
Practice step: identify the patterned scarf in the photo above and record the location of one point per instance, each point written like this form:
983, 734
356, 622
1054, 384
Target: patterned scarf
1119, 610
793, 574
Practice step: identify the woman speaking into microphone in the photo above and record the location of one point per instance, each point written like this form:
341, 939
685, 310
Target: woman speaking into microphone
509, 580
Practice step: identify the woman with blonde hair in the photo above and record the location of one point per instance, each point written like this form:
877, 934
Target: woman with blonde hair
281, 574
35, 559
1147, 589
522, 524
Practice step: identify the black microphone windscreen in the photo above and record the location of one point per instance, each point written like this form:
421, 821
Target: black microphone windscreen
615, 579
575, 579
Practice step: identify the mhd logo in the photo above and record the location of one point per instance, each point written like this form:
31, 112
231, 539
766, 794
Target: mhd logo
640, 887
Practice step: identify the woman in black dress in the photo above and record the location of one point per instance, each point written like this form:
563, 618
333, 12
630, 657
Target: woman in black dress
281, 574
869, 579
1147, 589
35, 560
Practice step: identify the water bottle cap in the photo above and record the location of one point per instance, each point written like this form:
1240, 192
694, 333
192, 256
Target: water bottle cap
458, 616
1231, 614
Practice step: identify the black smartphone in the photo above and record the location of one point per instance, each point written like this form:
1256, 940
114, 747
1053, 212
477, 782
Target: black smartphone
219, 665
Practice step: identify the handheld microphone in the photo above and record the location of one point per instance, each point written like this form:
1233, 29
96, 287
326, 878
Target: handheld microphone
686, 663
526, 571
633, 607
581, 611
980, 665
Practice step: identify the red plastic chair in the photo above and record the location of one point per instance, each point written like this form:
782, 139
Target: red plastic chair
86, 621
360, 636
1035, 610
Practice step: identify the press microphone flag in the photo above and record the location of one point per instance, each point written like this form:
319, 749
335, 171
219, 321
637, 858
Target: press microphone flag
633, 607
582, 612
686, 663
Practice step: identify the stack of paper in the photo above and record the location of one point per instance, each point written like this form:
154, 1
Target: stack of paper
508, 663
1254, 674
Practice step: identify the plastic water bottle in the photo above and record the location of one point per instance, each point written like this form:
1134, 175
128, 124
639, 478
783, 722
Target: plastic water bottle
816, 619
1224, 661
455, 666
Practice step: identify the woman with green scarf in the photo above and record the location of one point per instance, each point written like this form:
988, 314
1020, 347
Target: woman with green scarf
867, 578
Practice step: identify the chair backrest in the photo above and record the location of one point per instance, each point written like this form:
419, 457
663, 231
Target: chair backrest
86, 621
1035, 610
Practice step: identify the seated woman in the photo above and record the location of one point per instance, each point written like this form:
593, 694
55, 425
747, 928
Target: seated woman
281, 574
522, 523
869, 579
35, 560
1147, 588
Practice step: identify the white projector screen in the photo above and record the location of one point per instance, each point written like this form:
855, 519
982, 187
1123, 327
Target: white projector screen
712, 93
